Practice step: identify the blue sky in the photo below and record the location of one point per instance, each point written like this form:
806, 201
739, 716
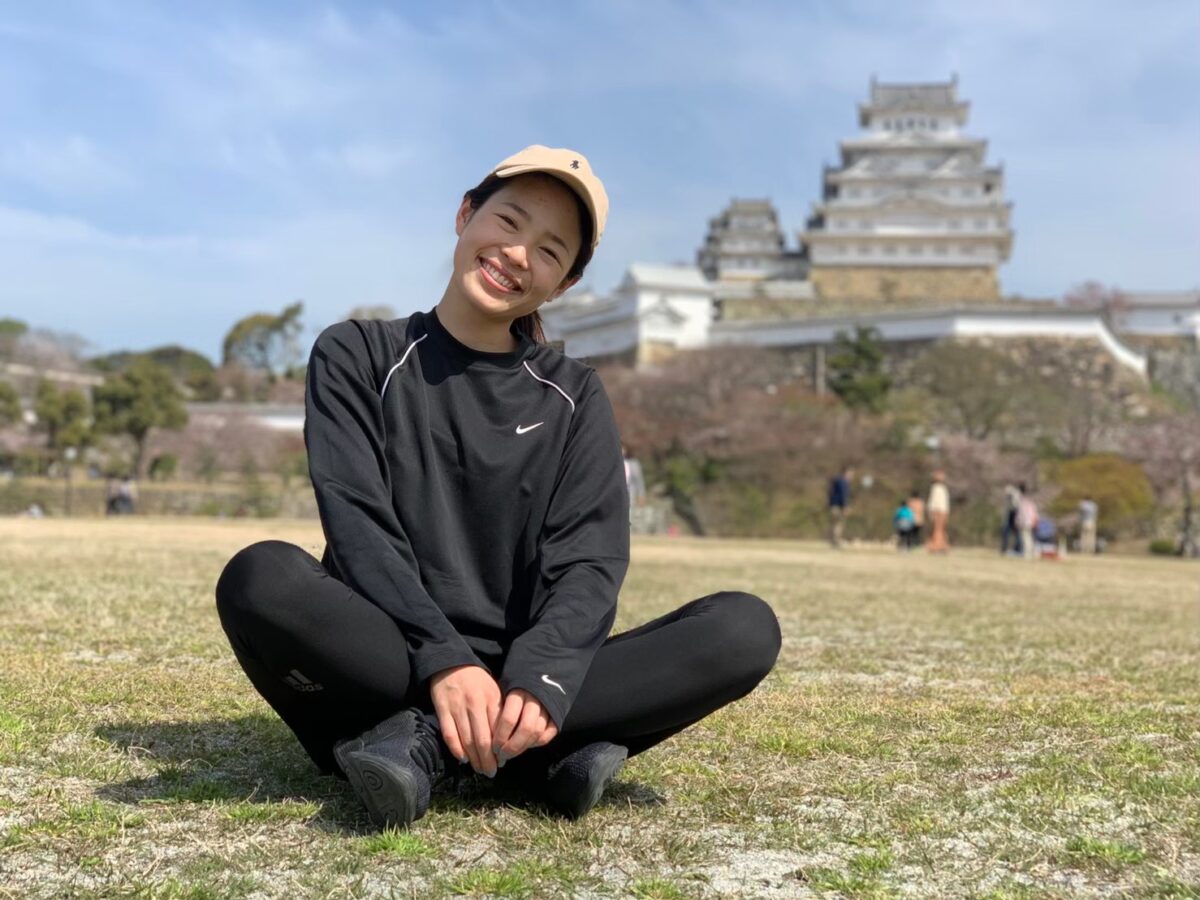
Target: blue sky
166, 169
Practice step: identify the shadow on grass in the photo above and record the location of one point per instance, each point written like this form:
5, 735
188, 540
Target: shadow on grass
247, 759
255, 759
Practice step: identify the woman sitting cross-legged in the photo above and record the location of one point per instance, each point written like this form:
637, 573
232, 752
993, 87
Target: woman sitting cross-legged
472, 494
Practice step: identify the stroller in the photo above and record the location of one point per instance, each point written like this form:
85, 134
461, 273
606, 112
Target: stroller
1045, 540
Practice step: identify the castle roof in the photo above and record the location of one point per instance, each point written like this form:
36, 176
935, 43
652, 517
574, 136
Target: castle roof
1162, 298
930, 97
680, 277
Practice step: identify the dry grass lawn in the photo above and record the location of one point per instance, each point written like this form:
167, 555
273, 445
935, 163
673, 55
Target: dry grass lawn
966, 726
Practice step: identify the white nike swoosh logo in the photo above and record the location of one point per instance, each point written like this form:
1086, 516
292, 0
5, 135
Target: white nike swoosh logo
546, 678
521, 429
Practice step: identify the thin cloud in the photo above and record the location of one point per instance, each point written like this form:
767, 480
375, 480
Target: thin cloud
366, 159
70, 165
197, 162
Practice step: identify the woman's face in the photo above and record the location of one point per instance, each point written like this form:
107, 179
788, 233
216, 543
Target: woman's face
515, 250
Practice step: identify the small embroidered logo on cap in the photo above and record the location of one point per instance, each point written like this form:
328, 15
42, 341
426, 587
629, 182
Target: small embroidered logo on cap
574, 164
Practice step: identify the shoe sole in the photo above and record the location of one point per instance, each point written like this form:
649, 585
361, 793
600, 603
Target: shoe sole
387, 790
605, 767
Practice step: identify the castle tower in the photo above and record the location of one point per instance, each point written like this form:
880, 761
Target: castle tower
913, 215
745, 243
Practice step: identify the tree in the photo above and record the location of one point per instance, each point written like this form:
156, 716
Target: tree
972, 386
265, 342
1169, 451
43, 348
856, 370
63, 416
1110, 302
731, 437
10, 405
132, 402
193, 369
11, 331
1119, 486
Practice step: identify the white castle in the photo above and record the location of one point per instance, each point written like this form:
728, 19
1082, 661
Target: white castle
913, 200
907, 238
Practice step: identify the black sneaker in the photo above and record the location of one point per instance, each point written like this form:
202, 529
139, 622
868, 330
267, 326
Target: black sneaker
394, 767
576, 782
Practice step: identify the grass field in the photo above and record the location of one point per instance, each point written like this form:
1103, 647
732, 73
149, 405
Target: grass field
965, 726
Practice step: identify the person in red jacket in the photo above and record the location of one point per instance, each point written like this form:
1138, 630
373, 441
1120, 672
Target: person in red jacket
472, 493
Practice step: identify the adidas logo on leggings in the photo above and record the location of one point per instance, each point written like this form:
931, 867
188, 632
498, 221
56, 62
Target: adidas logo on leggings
300, 683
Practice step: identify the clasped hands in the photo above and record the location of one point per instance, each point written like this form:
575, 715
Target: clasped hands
482, 728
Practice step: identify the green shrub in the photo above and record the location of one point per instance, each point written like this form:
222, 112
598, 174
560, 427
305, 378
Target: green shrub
207, 464
1163, 547
163, 467
1119, 487
291, 465
30, 461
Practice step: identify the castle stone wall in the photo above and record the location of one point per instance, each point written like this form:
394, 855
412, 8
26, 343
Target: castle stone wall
884, 287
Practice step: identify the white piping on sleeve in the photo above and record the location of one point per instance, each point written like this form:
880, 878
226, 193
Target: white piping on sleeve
383, 390
552, 384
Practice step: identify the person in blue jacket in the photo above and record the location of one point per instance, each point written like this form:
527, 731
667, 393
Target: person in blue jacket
471, 490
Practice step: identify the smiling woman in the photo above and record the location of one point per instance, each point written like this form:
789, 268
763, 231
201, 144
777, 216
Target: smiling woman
522, 241
472, 492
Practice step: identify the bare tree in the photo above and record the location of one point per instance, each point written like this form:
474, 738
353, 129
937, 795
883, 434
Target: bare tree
266, 342
1110, 302
1169, 451
973, 387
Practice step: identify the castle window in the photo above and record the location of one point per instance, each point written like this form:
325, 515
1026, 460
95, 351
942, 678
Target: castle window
966, 250
981, 224
915, 250
940, 249
864, 250
953, 224
889, 249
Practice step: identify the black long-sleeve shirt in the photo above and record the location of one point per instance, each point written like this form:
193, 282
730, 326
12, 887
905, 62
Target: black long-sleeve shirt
477, 498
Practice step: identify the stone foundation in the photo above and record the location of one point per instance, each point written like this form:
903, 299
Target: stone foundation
884, 287
653, 353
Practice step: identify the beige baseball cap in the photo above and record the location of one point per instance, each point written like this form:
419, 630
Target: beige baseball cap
568, 166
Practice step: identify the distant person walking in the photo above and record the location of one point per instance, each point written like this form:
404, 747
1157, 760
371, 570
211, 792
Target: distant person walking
120, 496
939, 513
1027, 519
917, 505
1089, 514
904, 525
1008, 519
839, 502
635, 481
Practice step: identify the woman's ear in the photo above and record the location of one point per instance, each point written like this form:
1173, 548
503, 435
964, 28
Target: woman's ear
564, 287
464, 215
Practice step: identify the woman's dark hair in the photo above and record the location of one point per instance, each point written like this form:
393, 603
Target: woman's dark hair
531, 325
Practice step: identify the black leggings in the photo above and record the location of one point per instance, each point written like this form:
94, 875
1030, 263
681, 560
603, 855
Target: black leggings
333, 664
